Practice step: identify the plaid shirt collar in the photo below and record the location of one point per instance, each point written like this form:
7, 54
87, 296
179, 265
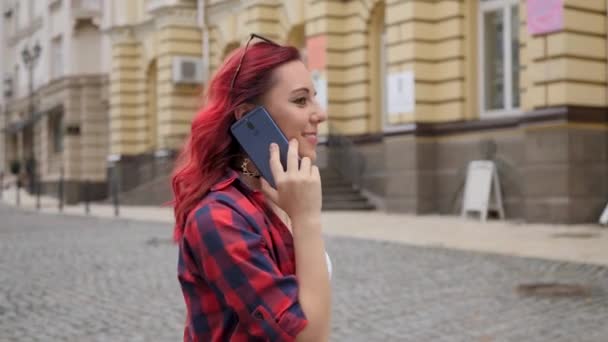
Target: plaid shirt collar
230, 177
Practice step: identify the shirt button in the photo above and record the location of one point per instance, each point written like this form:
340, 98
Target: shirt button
258, 315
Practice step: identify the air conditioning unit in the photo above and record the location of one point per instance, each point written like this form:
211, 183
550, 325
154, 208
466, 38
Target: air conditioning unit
188, 70
8, 87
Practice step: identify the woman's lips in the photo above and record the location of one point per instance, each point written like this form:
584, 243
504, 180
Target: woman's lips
311, 138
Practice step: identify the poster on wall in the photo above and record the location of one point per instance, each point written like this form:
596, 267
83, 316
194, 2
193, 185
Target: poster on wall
320, 83
316, 55
544, 16
400, 93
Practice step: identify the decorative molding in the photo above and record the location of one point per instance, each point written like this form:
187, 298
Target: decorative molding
176, 16
566, 114
121, 34
217, 12
26, 32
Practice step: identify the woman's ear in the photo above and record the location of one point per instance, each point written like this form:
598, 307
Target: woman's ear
243, 109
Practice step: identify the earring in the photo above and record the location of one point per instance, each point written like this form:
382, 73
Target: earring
246, 171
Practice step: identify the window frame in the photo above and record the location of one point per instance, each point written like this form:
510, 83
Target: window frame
57, 57
57, 132
506, 7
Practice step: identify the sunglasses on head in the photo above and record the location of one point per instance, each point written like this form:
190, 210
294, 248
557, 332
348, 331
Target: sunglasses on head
238, 68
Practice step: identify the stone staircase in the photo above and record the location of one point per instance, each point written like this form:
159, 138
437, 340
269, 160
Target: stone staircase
339, 194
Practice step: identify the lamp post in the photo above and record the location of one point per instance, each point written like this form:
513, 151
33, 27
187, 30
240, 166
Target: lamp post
30, 57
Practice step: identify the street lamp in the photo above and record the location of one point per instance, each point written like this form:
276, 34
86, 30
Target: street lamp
30, 57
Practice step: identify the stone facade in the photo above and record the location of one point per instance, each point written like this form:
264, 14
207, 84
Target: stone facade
549, 142
55, 111
150, 114
540, 112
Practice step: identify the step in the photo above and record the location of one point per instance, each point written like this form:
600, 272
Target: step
336, 183
359, 199
347, 206
353, 196
338, 190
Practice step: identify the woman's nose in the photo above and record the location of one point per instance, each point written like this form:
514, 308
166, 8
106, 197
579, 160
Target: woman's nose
320, 115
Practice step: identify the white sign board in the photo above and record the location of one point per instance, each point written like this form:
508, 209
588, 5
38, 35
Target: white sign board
481, 183
400, 89
604, 217
320, 84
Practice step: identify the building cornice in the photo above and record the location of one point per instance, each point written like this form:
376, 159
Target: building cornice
218, 11
120, 34
178, 15
54, 87
25, 32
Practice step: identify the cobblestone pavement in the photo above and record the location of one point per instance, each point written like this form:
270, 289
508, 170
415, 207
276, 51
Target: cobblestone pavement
87, 279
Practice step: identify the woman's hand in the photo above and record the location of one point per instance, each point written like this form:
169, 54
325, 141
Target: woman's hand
298, 190
298, 193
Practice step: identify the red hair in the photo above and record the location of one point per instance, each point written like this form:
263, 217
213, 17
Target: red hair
210, 147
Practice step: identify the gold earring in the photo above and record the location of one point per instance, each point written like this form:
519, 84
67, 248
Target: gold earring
246, 171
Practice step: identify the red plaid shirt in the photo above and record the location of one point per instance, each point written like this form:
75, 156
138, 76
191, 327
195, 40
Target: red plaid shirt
237, 269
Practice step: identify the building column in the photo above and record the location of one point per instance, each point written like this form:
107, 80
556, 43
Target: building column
127, 124
263, 17
178, 36
566, 156
128, 137
93, 132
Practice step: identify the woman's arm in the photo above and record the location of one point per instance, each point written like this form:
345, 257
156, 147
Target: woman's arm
299, 195
313, 280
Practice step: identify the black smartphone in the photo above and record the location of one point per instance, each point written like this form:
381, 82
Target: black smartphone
255, 131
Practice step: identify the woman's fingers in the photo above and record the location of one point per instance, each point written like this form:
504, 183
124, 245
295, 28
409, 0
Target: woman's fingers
269, 191
292, 156
316, 174
305, 164
275, 162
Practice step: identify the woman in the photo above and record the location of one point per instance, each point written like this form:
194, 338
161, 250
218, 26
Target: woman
252, 263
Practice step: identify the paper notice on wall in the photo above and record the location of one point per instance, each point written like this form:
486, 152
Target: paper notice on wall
400, 93
316, 52
320, 83
544, 16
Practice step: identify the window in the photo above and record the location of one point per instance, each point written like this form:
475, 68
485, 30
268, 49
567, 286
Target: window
16, 82
56, 123
56, 58
499, 57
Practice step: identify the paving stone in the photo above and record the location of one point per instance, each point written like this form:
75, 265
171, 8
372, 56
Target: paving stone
89, 279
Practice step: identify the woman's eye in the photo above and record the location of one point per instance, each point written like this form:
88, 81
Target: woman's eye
300, 101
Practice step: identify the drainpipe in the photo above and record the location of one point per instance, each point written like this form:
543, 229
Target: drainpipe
202, 22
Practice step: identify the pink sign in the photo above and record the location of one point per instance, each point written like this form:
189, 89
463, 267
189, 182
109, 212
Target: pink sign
316, 50
545, 16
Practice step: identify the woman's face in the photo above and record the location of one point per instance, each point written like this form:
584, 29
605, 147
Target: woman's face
291, 103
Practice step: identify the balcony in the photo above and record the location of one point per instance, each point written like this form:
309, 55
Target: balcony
153, 5
86, 9
54, 4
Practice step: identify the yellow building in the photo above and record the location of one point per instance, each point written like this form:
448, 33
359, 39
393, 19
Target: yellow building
420, 88
151, 101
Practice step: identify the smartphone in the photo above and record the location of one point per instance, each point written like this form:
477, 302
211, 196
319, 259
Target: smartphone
255, 131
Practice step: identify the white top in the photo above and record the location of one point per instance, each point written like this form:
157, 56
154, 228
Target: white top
329, 266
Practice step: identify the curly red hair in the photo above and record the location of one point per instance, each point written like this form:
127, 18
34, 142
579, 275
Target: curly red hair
210, 147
